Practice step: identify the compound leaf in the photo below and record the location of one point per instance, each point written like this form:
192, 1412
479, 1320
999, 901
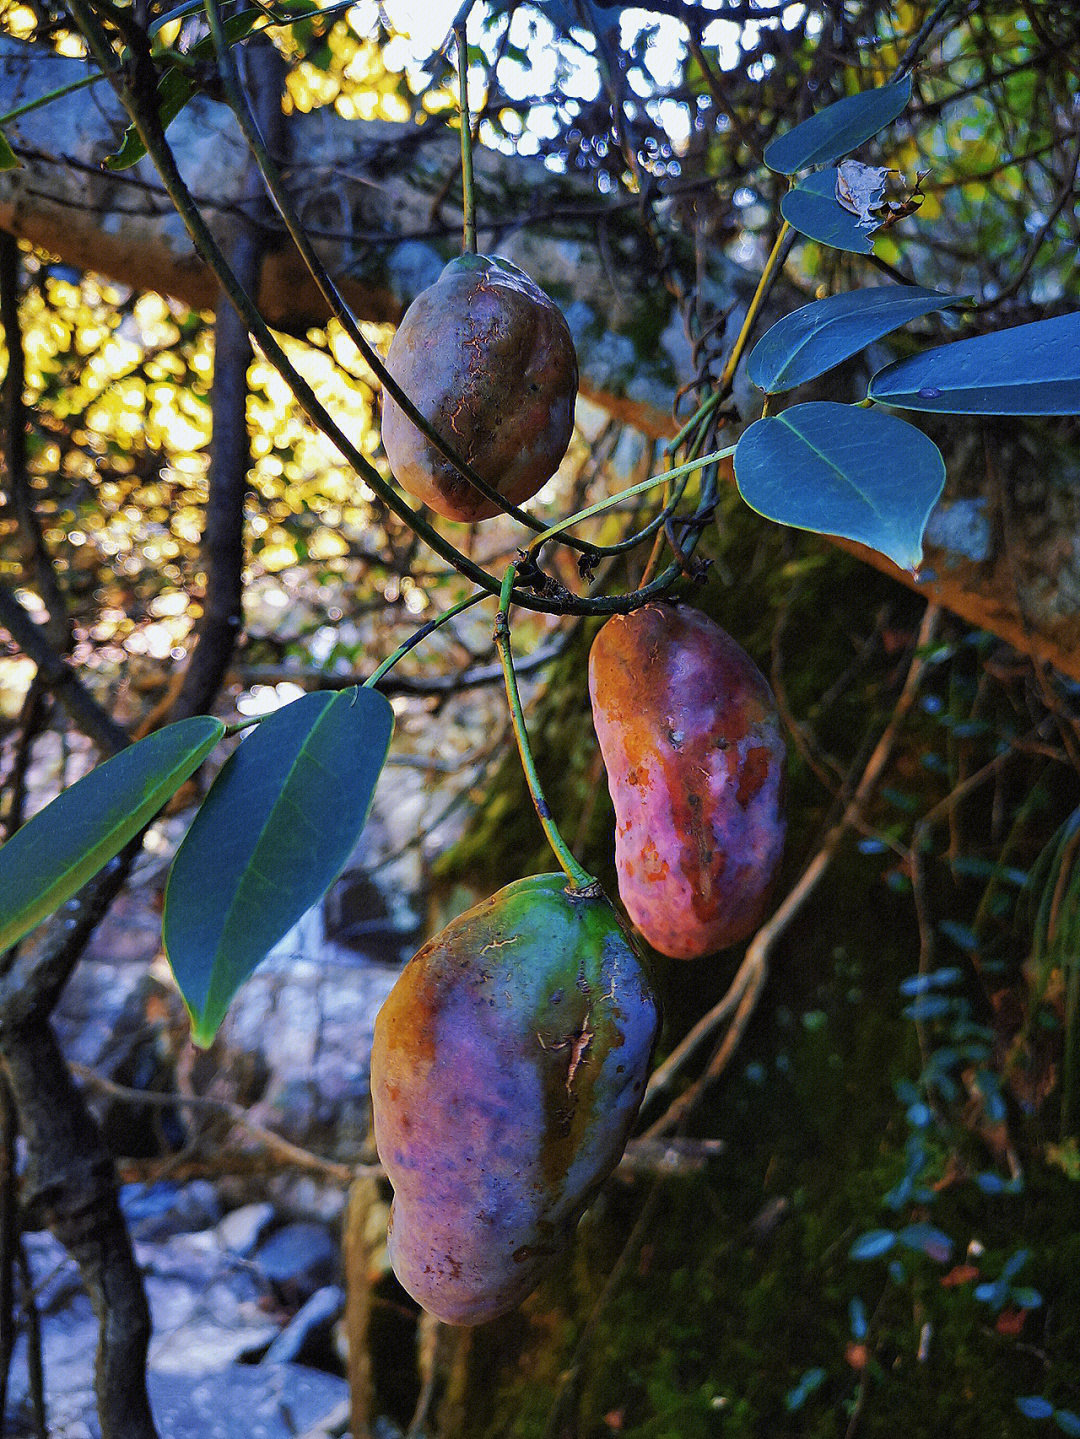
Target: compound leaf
841, 470
67, 842
1028, 370
276, 829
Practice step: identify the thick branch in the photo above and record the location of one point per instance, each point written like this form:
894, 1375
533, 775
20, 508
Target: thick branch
70, 1186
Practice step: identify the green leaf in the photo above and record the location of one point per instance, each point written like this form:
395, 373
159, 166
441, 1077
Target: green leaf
8, 158
276, 829
1028, 370
67, 842
841, 470
176, 87
812, 340
813, 209
838, 129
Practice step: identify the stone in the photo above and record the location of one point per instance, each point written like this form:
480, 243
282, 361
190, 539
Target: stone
156, 1211
241, 1229
307, 1338
244, 1401
298, 1259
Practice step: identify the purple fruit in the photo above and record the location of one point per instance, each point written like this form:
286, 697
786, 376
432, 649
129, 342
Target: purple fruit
690, 735
509, 1062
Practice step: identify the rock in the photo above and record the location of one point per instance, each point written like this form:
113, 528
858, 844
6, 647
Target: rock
306, 1339
208, 1308
240, 1230
299, 1196
244, 1401
298, 1259
156, 1211
310, 1011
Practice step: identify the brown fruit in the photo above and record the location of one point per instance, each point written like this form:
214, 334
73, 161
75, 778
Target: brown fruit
691, 739
487, 359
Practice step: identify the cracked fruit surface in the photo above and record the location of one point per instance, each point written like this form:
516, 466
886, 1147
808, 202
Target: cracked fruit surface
487, 359
690, 735
509, 1062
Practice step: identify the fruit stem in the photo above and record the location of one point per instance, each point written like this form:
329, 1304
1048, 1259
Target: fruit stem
639, 489
579, 878
418, 636
468, 193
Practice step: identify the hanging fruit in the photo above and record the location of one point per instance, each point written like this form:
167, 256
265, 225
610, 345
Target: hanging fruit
509, 1062
486, 357
690, 735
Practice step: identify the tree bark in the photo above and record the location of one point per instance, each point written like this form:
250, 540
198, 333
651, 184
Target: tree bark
70, 1186
1004, 547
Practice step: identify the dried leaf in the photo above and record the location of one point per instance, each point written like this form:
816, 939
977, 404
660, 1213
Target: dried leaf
861, 188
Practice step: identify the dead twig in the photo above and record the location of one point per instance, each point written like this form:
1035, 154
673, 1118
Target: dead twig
276, 1144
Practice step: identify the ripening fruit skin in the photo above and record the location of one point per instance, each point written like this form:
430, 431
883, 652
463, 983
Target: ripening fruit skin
486, 357
690, 735
509, 1062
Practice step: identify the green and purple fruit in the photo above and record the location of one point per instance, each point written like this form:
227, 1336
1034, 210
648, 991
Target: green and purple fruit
509, 1062
691, 738
486, 357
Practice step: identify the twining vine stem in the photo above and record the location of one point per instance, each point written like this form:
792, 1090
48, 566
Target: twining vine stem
418, 636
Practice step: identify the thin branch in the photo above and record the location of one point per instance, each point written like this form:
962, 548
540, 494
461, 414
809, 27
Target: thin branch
58, 674
275, 1144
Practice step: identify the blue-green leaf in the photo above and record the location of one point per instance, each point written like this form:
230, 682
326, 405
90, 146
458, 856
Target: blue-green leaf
67, 842
1034, 1406
840, 470
276, 829
813, 209
812, 340
838, 129
927, 1240
1028, 370
873, 1244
